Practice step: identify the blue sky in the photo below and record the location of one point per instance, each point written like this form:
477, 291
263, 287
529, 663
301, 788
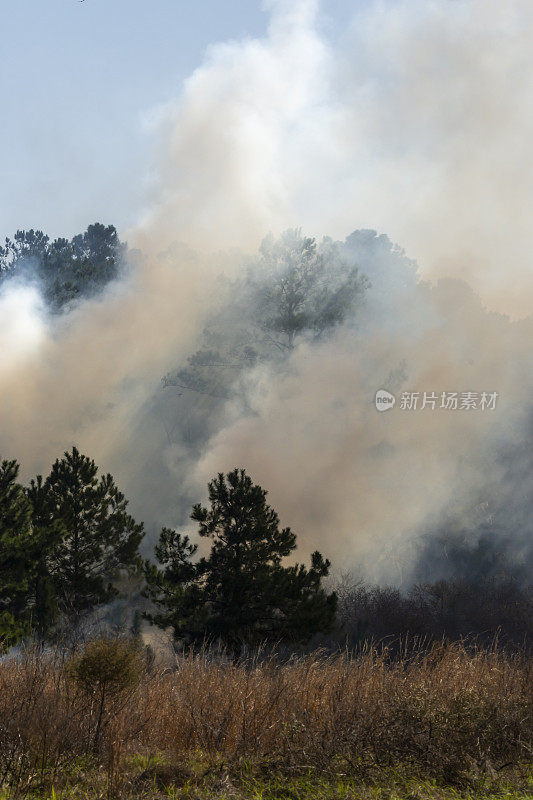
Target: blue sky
76, 81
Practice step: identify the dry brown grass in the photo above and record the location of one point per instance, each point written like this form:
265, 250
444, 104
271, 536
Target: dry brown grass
448, 713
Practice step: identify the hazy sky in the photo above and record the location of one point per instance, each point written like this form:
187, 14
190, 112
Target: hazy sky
78, 81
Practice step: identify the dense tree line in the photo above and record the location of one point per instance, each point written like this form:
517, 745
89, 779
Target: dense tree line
65, 269
482, 610
65, 542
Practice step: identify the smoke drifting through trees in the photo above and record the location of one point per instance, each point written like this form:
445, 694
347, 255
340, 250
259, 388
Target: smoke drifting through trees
63, 270
257, 143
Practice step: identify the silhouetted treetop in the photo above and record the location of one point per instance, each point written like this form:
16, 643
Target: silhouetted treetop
64, 269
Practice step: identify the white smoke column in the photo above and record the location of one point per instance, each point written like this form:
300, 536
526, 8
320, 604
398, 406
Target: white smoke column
229, 143
418, 123
450, 118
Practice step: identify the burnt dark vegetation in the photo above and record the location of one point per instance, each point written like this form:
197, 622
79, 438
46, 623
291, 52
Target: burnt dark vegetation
478, 613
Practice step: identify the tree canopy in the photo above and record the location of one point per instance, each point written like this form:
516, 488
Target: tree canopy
294, 288
64, 543
65, 269
99, 537
16, 547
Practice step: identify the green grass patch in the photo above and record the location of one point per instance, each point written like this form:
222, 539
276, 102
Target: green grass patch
154, 777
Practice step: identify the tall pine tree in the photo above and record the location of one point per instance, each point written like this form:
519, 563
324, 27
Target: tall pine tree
99, 539
16, 551
47, 533
240, 594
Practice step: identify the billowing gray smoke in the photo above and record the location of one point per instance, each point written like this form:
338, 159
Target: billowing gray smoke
407, 125
365, 486
492, 537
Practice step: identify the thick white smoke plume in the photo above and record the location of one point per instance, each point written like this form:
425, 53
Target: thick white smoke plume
417, 122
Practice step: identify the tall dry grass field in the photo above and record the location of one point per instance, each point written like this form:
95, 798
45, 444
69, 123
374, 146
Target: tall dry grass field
446, 712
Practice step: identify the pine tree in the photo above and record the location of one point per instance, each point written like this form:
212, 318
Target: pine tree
47, 533
301, 288
99, 538
16, 549
240, 594
66, 270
